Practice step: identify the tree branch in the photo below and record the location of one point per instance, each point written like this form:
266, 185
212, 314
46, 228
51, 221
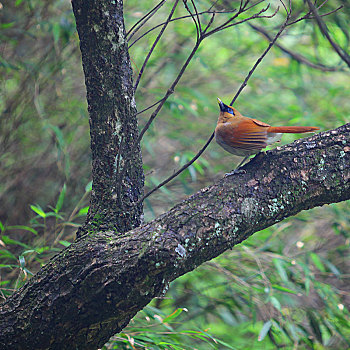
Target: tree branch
176, 19
142, 21
295, 56
155, 44
101, 281
324, 30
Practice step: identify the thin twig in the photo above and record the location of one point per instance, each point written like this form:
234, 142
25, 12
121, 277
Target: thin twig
209, 24
241, 10
149, 107
198, 30
244, 84
323, 28
257, 15
197, 15
309, 15
144, 19
184, 167
155, 44
213, 5
179, 18
295, 56
169, 91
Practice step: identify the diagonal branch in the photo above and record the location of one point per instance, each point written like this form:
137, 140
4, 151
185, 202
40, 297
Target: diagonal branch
195, 21
323, 28
209, 11
282, 28
308, 15
155, 44
142, 21
295, 56
92, 289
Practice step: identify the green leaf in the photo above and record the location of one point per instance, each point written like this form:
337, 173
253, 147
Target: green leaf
21, 227
175, 314
280, 268
61, 199
65, 243
332, 267
88, 187
83, 211
8, 240
22, 261
59, 135
315, 326
283, 289
265, 328
56, 30
38, 210
7, 254
7, 25
275, 303
317, 261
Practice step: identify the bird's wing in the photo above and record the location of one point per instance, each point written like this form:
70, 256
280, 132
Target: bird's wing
246, 135
260, 123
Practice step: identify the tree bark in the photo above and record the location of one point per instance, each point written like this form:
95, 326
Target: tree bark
92, 289
113, 122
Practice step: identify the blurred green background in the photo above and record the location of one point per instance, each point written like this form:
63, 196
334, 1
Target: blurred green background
287, 286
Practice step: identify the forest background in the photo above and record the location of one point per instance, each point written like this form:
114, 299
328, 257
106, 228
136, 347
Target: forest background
287, 285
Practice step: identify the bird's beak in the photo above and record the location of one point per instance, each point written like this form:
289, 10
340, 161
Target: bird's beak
221, 104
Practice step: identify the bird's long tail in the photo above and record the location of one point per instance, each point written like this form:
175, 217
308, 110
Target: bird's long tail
292, 129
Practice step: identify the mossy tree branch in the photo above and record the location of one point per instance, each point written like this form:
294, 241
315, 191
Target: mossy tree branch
92, 289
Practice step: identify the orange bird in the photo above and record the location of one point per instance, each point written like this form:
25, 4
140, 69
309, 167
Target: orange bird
243, 136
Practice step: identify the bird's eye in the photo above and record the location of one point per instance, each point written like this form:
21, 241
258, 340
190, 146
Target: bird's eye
230, 110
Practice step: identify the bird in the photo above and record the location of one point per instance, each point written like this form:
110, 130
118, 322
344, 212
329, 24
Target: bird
244, 136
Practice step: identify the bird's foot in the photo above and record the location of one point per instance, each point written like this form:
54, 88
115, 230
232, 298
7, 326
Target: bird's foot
234, 172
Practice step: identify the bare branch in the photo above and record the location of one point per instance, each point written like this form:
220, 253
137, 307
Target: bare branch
144, 19
209, 23
128, 270
170, 90
149, 107
309, 14
197, 15
243, 8
257, 15
155, 44
295, 56
323, 28
179, 18
184, 167
244, 84
198, 29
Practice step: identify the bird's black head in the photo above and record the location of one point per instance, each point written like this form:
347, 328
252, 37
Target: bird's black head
225, 108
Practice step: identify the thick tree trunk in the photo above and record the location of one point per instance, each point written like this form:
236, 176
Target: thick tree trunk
93, 288
113, 123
